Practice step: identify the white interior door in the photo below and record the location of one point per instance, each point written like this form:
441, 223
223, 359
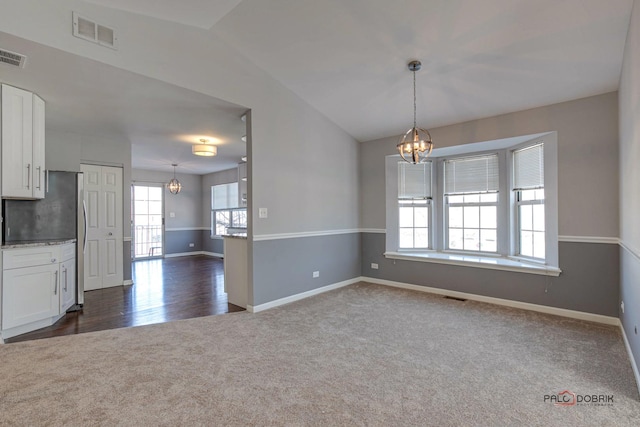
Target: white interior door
103, 263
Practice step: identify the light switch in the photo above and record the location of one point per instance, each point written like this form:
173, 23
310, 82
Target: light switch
172, 214
263, 213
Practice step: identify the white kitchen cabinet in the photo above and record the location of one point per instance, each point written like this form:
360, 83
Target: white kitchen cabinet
23, 143
67, 275
29, 295
38, 286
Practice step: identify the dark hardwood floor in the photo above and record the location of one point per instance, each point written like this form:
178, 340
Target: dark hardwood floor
164, 290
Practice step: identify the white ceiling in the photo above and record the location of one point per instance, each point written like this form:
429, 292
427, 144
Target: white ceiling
347, 59
162, 121
480, 58
197, 13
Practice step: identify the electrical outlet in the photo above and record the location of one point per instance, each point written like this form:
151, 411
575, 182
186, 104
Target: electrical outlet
263, 213
374, 266
316, 274
172, 214
191, 245
622, 307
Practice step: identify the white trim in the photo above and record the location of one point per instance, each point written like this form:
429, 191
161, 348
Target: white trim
630, 249
303, 234
476, 261
373, 230
589, 239
580, 315
186, 229
127, 283
634, 366
303, 295
180, 254
126, 239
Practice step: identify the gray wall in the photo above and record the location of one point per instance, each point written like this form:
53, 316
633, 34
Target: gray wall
629, 178
336, 257
184, 228
587, 206
587, 160
591, 289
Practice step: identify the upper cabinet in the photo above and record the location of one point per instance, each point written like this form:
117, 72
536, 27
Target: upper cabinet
23, 144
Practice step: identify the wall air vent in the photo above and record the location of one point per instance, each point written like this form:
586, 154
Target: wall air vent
12, 58
89, 30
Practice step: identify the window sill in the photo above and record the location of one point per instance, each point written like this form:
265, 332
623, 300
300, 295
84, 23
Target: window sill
477, 261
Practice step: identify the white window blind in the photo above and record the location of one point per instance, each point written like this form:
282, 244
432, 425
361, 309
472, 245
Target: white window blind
414, 181
224, 196
471, 174
528, 167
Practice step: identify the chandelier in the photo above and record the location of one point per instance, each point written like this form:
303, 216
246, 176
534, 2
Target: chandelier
415, 146
174, 185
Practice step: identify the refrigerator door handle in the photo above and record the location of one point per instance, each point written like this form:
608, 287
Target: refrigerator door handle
46, 181
84, 214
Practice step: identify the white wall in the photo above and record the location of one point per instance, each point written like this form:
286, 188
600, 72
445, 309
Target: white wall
300, 158
587, 160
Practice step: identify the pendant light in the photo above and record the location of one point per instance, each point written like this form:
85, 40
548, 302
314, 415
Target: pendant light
415, 146
174, 185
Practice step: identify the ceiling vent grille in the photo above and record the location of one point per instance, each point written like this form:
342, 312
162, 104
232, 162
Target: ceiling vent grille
12, 58
89, 30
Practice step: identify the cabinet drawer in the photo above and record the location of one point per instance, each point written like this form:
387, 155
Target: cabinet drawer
30, 257
67, 252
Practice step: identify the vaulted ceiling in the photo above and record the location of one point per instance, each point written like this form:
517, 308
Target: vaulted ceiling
347, 58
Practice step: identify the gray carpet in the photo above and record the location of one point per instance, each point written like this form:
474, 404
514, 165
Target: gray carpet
360, 355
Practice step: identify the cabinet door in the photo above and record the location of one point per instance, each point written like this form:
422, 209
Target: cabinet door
29, 294
17, 142
38, 172
67, 284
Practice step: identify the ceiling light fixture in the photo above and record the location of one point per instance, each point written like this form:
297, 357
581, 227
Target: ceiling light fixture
415, 146
174, 185
204, 149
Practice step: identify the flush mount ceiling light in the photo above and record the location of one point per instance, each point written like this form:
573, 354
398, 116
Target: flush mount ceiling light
204, 149
174, 185
415, 146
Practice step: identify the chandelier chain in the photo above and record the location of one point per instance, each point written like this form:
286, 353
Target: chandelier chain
414, 99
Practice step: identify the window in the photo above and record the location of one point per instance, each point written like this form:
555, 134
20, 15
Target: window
223, 219
225, 210
491, 204
471, 200
528, 185
414, 197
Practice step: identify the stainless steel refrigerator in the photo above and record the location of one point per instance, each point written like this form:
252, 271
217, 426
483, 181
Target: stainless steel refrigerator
61, 215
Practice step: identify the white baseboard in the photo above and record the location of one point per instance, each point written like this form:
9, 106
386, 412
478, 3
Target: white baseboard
303, 295
127, 283
598, 318
179, 254
634, 366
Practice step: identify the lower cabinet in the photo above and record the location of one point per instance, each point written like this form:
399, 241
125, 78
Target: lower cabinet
29, 294
38, 286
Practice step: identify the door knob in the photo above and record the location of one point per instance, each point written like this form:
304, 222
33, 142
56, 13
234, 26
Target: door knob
110, 234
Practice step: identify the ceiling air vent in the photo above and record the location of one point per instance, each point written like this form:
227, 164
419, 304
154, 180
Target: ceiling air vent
89, 30
12, 58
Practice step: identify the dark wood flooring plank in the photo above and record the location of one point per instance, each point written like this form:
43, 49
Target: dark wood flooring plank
164, 290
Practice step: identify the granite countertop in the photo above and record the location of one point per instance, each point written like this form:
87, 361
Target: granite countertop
236, 235
29, 244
